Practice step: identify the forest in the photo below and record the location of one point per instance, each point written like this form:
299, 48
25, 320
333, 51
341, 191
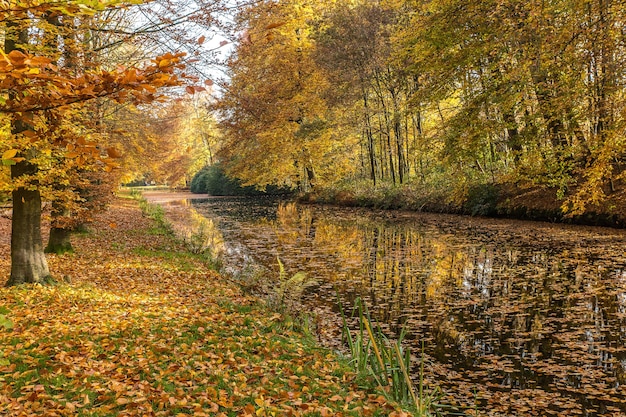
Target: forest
489, 107
94, 93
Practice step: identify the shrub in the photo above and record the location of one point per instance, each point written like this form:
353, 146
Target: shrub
482, 200
213, 180
199, 182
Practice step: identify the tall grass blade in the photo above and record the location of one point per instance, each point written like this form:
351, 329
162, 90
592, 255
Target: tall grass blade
387, 364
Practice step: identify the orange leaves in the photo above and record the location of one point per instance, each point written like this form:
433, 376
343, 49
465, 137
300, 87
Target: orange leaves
122, 401
163, 63
10, 157
9, 154
16, 58
40, 85
192, 89
83, 151
130, 76
113, 153
39, 8
399, 413
168, 62
275, 25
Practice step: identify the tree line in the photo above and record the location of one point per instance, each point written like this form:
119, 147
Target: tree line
437, 94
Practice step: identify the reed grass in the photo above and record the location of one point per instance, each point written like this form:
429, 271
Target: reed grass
388, 364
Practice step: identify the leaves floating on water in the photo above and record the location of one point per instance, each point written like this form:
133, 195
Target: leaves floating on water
525, 318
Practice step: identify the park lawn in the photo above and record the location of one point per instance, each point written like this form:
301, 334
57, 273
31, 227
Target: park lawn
139, 327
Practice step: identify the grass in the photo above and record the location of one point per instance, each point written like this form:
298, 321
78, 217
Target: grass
197, 240
385, 364
375, 358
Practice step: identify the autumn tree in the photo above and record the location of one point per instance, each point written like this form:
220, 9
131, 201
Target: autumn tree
354, 48
193, 141
535, 89
273, 117
115, 36
166, 143
446, 96
36, 87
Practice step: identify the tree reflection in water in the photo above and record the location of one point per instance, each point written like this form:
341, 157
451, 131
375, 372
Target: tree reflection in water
523, 318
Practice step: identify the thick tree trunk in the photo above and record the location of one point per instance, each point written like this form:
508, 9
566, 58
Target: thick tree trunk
59, 241
28, 261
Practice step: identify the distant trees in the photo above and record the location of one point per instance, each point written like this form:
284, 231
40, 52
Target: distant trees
445, 93
273, 117
536, 91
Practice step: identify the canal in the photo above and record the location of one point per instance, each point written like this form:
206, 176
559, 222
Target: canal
516, 318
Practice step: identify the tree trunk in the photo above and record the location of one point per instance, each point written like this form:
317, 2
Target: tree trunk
28, 261
59, 241
371, 146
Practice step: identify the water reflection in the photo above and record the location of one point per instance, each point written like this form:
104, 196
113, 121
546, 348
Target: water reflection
528, 319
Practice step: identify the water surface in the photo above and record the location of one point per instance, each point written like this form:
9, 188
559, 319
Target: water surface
517, 318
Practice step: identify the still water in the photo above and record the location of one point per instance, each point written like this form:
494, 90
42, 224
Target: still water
517, 318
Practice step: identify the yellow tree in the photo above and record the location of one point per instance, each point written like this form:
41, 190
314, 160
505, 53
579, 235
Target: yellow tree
34, 88
166, 143
113, 37
195, 141
354, 49
273, 117
537, 91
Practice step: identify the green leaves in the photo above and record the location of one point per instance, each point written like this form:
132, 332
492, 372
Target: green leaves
7, 324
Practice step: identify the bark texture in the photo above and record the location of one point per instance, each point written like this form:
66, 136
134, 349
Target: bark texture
28, 261
59, 241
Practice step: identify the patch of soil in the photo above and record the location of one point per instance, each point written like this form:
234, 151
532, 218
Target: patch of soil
167, 196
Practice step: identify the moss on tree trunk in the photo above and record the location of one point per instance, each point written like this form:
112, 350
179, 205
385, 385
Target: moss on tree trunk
28, 261
59, 241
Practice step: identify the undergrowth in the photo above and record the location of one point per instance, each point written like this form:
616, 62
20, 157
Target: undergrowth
195, 238
139, 332
374, 357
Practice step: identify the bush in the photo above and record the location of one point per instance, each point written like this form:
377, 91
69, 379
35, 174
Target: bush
213, 180
199, 182
482, 200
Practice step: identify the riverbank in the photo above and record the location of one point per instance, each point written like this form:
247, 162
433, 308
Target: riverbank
142, 327
498, 201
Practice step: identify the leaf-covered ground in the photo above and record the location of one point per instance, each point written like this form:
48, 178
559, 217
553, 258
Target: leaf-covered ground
142, 328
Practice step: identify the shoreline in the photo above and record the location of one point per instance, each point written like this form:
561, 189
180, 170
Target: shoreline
143, 327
